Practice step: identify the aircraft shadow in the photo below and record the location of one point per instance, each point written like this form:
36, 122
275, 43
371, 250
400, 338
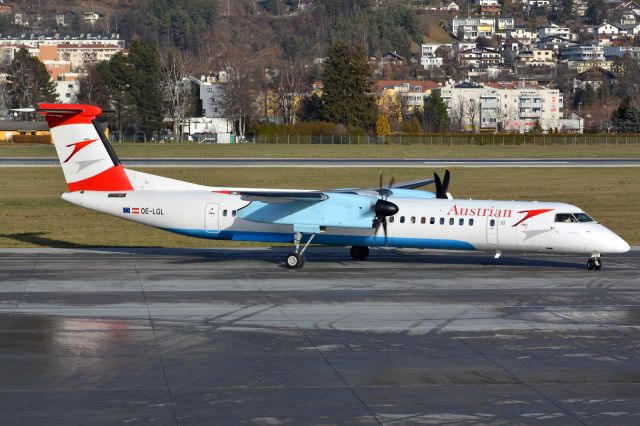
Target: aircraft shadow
314, 255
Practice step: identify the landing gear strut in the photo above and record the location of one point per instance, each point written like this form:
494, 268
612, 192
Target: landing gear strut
359, 252
295, 260
594, 263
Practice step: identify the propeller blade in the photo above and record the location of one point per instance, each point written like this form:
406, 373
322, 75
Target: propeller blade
445, 183
384, 228
438, 183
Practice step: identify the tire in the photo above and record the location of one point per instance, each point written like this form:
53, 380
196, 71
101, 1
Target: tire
591, 264
597, 264
294, 261
359, 252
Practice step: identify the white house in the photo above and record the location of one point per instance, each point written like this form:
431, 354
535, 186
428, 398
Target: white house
472, 28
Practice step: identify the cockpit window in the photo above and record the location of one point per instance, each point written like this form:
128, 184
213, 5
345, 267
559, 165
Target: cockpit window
573, 217
565, 218
583, 217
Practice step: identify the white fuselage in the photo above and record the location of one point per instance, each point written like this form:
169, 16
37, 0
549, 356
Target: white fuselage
448, 224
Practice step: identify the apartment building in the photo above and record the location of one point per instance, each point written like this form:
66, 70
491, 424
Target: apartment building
472, 28
503, 106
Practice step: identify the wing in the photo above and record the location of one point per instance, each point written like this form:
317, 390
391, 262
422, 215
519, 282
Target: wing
280, 197
410, 184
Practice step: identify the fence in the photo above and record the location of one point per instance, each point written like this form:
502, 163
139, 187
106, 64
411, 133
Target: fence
454, 139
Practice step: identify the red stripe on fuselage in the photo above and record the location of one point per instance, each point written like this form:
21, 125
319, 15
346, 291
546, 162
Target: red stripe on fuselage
112, 179
530, 214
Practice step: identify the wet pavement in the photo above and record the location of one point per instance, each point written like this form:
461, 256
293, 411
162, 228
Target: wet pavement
230, 336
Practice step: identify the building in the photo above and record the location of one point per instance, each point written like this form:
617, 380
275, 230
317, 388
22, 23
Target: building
212, 118
554, 30
583, 53
503, 106
429, 58
479, 57
490, 7
399, 97
24, 131
472, 28
612, 52
523, 35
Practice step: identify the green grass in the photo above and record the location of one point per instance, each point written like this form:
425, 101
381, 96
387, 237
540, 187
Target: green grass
34, 215
125, 151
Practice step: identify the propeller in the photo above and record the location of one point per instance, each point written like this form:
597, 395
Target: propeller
442, 186
384, 208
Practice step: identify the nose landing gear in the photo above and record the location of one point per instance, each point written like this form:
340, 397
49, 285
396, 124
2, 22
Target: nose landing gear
594, 263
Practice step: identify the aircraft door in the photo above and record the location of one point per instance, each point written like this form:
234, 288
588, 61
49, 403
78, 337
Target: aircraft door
211, 221
492, 231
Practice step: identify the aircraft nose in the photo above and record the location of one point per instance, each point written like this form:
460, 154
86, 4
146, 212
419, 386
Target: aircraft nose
622, 246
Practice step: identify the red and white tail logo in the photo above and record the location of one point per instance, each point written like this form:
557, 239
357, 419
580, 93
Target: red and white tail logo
87, 159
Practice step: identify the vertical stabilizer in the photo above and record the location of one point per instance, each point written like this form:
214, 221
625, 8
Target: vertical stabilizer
87, 158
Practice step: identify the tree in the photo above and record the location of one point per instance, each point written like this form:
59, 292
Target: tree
175, 89
436, 117
144, 59
536, 129
28, 82
626, 118
346, 98
286, 86
596, 12
239, 93
412, 127
382, 126
566, 10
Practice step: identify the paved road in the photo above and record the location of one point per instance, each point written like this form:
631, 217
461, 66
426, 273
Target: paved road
231, 336
343, 162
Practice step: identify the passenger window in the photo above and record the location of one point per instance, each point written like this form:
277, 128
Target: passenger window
233, 213
432, 220
391, 219
461, 222
224, 212
413, 219
451, 220
401, 219
470, 222
442, 221
423, 220
492, 222
565, 218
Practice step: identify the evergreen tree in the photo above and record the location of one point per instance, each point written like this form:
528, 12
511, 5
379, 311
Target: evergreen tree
346, 86
28, 82
566, 11
436, 117
596, 12
144, 61
536, 129
626, 118
412, 127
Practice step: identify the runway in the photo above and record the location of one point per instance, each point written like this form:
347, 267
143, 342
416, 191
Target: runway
343, 162
229, 336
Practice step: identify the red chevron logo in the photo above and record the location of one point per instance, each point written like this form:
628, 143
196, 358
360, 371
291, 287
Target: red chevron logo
77, 147
530, 214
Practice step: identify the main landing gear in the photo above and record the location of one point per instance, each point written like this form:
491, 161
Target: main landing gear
295, 260
594, 263
359, 252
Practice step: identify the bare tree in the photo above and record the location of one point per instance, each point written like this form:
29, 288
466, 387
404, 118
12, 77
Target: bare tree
286, 86
457, 114
239, 93
473, 113
175, 89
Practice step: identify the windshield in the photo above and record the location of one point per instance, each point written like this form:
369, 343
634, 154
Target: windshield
573, 217
583, 217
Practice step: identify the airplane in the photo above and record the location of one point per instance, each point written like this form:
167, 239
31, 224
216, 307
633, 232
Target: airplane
396, 215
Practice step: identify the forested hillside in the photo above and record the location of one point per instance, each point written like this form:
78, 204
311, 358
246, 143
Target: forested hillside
262, 30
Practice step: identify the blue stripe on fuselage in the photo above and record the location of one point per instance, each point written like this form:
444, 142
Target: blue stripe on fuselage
339, 240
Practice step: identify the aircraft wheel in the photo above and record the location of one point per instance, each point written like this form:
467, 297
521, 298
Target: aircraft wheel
294, 261
359, 252
591, 264
597, 264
